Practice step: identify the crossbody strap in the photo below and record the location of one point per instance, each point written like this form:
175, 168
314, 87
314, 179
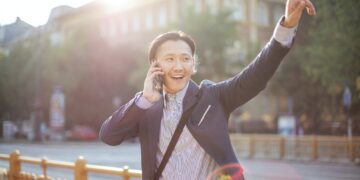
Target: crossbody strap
174, 139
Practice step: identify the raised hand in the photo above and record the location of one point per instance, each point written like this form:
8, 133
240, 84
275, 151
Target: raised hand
294, 10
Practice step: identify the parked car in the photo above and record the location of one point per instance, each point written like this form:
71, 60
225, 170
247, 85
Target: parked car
82, 133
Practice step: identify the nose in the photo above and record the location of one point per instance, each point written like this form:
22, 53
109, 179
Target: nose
178, 66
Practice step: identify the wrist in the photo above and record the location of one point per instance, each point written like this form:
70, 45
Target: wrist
149, 98
285, 23
143, 103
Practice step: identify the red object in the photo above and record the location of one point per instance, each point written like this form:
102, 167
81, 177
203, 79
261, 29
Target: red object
81, 132
237, 172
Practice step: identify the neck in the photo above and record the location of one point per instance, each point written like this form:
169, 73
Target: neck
168, 91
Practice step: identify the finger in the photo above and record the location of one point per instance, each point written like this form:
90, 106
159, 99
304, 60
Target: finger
152, 69
291, 6
155, 69
300, 7
155, 63
310, 7
297, 12
156, 73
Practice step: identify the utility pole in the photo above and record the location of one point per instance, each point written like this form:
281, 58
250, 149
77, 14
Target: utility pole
38, 105
347, 107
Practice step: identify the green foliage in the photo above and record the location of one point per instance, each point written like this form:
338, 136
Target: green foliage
3, 104
18, 81
213, 33
325, 57
90, 72
333, 56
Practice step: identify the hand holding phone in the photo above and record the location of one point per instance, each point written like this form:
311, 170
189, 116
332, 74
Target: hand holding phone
158, 79
153, 82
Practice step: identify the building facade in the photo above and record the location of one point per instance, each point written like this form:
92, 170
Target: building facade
142, 20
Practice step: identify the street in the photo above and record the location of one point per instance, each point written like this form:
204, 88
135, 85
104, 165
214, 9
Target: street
129, 154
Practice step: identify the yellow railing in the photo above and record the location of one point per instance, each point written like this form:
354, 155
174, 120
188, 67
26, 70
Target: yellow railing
296, 147
245, 146
81, 169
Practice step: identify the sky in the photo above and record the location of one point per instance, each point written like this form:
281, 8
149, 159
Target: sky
34, 12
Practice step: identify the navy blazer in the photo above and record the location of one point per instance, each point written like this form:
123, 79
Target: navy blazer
212, 132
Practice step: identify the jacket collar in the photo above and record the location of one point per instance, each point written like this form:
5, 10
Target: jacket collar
156, 111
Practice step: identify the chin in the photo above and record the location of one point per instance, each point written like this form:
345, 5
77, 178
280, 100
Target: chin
175, 88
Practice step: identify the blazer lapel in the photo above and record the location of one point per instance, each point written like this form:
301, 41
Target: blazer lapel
191, 96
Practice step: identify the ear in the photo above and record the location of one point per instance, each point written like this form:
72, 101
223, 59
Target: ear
194, 66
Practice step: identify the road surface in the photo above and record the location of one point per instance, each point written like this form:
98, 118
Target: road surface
129, 154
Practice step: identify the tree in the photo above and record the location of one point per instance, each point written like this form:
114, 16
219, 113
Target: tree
3, 104
90, 72
213, 33
333, 52
324, 59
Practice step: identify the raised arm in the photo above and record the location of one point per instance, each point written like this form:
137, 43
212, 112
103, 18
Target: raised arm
252, 79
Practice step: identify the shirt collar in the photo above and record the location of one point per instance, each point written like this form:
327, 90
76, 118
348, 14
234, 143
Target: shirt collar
179, 95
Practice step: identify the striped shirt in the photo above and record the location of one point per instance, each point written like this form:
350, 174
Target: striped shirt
188, 160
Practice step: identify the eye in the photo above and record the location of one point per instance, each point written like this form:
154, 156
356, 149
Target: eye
169, 59
186, 59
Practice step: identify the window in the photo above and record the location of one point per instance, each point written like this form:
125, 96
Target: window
212, 5
263, 14
149, 20
174, 10
125, 26
2, 33
136, 23
162, 19
238, 8
197, 6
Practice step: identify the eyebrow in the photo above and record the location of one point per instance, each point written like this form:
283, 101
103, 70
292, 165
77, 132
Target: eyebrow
182, 54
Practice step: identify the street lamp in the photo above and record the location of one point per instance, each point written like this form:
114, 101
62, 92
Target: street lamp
347, 107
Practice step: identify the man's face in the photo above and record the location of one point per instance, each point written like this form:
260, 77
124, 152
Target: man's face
174, 57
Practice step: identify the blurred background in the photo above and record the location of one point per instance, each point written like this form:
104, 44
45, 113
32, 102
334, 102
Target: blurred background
66, 66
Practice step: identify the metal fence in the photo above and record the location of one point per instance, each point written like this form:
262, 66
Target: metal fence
80, 168
321, 148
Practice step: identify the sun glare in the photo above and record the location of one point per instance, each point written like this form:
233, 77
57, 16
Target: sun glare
116, 5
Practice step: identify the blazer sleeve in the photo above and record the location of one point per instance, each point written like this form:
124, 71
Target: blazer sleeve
122, 124
253, 78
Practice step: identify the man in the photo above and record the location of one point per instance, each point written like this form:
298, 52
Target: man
204, 144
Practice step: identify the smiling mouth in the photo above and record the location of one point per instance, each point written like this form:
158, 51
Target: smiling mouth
178, 77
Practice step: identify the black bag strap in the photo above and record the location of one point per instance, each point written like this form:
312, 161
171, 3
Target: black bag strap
174, 139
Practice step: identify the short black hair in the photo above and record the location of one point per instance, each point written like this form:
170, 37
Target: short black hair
172, 35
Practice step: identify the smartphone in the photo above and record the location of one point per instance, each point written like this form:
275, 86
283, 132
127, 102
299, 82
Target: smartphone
158, 80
